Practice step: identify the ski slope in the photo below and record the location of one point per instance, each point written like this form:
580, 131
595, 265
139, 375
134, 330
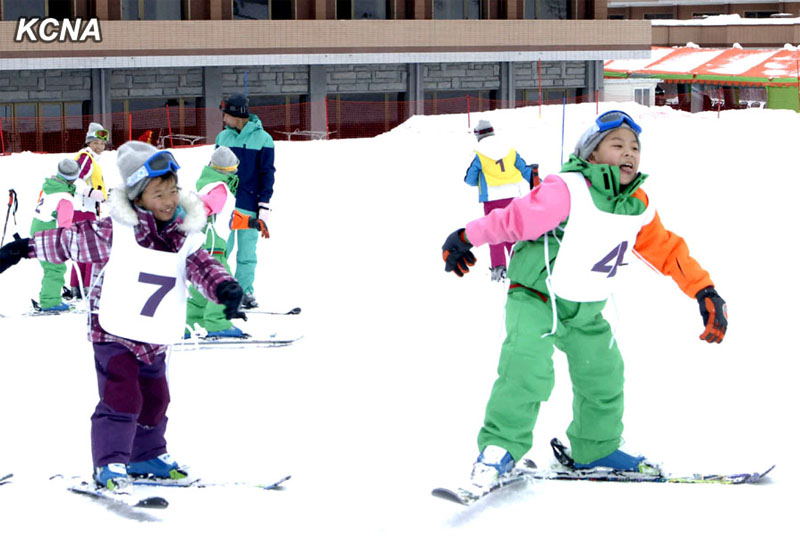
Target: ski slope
382, 399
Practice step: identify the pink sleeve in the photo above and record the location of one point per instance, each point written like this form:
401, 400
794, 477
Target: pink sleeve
215, 199
525, 218
64, 213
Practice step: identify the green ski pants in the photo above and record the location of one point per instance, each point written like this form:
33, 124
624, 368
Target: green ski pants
246, 242
53, 278
199, 310
526, 377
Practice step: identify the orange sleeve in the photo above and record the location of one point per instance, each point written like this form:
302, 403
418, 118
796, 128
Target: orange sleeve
668, 254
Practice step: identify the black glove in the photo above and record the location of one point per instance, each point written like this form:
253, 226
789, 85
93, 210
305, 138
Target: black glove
534, 175
230, 294
714, 313
456, 253
12, 252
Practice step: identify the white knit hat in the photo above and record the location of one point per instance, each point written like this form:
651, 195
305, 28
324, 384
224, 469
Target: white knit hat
483, 129
224, 160
94, 128
68, 169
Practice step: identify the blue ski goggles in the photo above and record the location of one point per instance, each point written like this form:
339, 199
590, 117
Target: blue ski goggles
158, 164
614, 119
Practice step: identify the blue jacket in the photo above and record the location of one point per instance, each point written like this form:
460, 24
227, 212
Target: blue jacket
256, 152
475, 176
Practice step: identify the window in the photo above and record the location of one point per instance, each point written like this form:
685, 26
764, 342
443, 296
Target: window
546, 9
262, 9
362, 9
162, 10
42, 126
57, 9
641, 96
456, 9
364, 115
158, 121
759, 14
282, 115
658, 16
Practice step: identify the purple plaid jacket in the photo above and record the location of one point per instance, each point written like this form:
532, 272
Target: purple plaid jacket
90, 242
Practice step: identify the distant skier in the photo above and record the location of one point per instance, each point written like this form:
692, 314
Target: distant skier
54, 209
253, 146
574, 232
149, 246
217, 187
501, 175
90, 192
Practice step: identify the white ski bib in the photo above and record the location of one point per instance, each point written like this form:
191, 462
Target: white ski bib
224, 219
594, 245
144, 290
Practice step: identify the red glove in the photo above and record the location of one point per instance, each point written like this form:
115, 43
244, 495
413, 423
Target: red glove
714, 313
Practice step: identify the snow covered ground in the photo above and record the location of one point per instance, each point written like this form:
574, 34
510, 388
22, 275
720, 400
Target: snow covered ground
382, 399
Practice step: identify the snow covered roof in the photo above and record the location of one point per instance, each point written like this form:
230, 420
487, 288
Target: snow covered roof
779, 67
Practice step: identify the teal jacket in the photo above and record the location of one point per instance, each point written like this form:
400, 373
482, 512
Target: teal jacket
256, 152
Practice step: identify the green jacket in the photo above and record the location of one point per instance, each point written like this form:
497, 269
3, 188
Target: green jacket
527, 266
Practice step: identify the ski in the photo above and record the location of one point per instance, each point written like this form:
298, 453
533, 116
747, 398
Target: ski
605, 474
469, 494
199, 483
121, 498
290, 312
564, 469
207, 343
6, 478
37, 310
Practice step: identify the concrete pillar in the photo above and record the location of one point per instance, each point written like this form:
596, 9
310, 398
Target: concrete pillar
212, 96
101, 96
317, 94
508, 88
416, 90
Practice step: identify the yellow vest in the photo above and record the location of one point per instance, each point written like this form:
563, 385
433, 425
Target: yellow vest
499, 172
96, 178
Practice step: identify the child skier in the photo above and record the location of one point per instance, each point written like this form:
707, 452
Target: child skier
143, 254
500, 174
55, 209
90, 192
561, 275
217, 188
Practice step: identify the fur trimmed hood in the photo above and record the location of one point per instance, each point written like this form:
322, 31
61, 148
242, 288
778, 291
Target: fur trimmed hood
194, 219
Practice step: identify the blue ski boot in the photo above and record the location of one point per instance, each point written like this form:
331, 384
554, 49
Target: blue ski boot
160, 467
493, 463
112, 476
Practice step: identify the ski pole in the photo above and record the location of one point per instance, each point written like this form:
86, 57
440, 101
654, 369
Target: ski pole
12, 200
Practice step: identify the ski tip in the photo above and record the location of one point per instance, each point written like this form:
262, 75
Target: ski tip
155, 502
448, 494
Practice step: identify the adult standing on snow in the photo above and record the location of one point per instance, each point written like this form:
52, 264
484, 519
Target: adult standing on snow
573, 232
90, 192
254, 148
501, 175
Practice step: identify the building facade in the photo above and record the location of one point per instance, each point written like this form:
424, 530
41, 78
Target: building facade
308, 66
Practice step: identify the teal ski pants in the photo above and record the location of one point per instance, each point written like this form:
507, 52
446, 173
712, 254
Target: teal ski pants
526, 376
246, 242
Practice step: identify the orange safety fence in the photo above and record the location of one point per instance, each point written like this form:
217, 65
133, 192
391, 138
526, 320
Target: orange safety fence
175, 126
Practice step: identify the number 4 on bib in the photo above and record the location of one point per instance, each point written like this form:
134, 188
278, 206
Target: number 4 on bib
614, 256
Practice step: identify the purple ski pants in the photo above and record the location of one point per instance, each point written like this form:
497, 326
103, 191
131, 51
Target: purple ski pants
497, 252
129, 422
